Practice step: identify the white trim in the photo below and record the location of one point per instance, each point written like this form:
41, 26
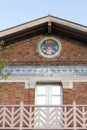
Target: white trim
27, 84
48, 96
6, 81
41, 21
68, 85
23, 26
30, 82
55, 78
69, 24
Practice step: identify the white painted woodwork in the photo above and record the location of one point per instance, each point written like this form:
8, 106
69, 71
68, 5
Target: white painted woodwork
27, 117
48, 94
41, 21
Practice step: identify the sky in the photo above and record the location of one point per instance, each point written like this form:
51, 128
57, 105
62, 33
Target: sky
16, 12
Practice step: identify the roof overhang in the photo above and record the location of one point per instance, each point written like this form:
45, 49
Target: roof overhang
48, 24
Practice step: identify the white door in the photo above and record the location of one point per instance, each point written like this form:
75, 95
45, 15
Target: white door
48, 94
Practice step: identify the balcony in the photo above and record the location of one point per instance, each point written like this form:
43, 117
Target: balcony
25, 117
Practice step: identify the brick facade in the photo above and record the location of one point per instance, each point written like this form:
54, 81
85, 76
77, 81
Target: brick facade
14, 93
78, 93
25, 53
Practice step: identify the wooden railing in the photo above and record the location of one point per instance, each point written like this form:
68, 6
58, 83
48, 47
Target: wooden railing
23, 117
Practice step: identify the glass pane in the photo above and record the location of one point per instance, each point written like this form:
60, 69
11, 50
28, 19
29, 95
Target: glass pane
56, 100
41, 100
56, 90
41, 90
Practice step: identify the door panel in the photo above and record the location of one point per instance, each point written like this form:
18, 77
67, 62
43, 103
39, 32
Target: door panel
48, 94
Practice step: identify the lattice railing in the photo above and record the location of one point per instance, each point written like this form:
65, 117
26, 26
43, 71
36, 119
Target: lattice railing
23, 117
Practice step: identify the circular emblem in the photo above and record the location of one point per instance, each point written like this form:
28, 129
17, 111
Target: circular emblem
49, 47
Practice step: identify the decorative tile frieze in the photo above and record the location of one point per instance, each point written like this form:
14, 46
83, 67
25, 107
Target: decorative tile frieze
46, 70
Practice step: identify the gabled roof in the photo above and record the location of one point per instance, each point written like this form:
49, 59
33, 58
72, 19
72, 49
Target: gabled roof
48, 24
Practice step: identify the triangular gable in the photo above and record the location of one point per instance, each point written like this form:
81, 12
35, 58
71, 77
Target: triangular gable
48, 24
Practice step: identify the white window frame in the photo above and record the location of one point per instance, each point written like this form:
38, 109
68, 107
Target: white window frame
48, 92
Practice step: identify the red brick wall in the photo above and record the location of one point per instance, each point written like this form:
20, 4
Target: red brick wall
25, 53
14, 93
78, 93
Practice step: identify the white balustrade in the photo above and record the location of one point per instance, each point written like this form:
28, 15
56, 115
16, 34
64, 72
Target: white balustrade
23, 117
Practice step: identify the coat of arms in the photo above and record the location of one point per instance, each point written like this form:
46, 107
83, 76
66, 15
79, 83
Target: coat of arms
49, 47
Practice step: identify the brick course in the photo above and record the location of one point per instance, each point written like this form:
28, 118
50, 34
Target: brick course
14, 93
25, 53
77, 94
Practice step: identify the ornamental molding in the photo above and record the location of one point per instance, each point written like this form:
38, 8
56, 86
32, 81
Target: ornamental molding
46, 71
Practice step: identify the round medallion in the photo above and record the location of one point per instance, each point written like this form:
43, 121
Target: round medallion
49, 47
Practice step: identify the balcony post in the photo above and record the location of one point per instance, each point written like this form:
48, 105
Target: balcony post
21, 116
74, 115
